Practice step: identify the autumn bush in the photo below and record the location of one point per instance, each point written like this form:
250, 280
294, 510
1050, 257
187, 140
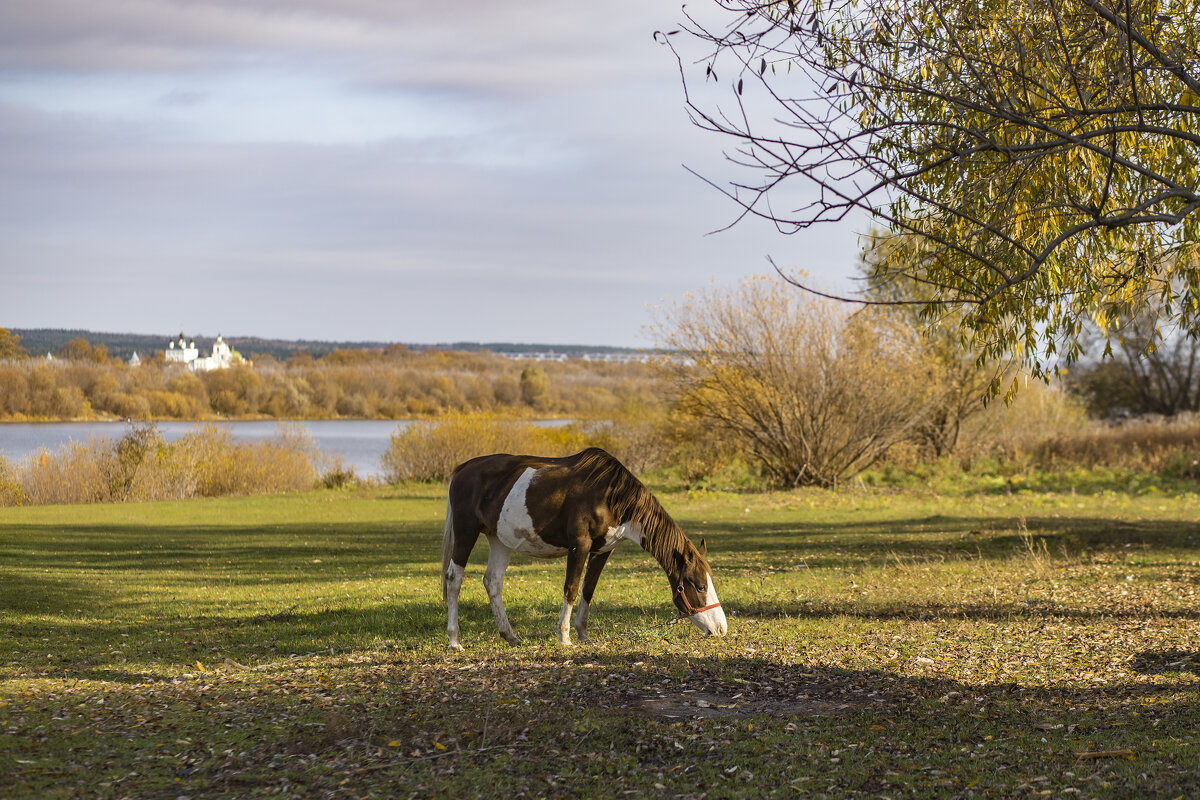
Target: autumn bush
430, 450
1013, 429
287, 462
1045, 430
812, 392
75, 473
11, 493
638, 433
1169, 447
142, 465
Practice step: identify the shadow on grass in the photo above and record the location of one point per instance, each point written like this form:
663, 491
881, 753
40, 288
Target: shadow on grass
95, 648
293, 552
761, 680
987, 612
88, 649
85, 571
1152, 662
51, 594
582, 713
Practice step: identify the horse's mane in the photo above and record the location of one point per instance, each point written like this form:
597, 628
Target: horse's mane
629, 499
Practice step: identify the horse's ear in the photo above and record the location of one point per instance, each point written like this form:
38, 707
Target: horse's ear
703, 548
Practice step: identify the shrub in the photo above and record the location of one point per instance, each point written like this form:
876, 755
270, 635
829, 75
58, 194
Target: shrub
142, 466
336, 474
1170, 448
284, 463
11, 493
507, 390
430, 450
535, 388
75, 473
637, 434
812, 393
1013, 431
14, 392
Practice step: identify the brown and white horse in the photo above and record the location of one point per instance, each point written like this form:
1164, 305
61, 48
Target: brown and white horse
580, 507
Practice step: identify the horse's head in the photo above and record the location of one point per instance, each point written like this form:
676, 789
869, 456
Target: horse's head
693, 590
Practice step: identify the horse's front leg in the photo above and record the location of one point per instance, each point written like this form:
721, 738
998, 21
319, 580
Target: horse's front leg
595, 565
576, 561
493, 581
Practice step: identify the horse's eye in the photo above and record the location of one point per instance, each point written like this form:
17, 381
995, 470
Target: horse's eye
701, 588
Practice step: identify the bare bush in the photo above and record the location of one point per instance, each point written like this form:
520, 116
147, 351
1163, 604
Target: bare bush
813, 393
637, 434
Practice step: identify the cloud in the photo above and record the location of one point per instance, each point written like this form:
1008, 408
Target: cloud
473, 46
182, 97
357, 169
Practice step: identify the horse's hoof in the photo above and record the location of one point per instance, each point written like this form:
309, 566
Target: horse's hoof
454, 647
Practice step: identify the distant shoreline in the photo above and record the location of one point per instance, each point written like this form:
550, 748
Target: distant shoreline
39, 341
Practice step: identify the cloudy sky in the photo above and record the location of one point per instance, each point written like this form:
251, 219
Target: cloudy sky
392, 170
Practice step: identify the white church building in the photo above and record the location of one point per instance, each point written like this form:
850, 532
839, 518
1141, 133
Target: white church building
182, 351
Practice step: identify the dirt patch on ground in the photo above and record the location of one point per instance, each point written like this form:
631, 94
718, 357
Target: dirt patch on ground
699, 705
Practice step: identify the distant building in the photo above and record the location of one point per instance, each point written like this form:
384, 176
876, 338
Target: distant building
134, 360
614, 357
185, 352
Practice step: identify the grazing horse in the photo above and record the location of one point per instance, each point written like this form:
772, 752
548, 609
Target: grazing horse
580, 507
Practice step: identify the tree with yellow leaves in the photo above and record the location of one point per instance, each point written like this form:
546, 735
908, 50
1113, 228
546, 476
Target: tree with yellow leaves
1039, 155
10, 345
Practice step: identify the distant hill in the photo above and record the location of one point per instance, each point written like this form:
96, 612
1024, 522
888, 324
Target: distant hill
39, 341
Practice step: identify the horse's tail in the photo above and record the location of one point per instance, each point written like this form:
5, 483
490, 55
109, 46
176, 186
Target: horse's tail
447, 543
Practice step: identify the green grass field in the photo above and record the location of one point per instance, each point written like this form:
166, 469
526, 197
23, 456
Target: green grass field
881, 644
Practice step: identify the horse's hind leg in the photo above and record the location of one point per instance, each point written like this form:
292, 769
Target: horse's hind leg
456, 549
454, 581
493, 581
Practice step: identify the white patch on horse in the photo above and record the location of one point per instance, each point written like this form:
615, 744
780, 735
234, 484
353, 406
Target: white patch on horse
515, 527
564, 624
711, 621
614, 536
581, 617
454, 580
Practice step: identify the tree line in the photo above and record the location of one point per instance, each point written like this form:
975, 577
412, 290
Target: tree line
803, 389
84, 382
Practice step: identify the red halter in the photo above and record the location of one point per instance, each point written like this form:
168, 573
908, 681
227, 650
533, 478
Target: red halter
688, 606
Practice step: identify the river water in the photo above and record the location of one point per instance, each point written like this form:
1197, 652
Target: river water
359, 443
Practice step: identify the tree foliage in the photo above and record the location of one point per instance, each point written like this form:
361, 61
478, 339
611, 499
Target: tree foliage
80, 349
960, 381
10, 345
1039, 155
